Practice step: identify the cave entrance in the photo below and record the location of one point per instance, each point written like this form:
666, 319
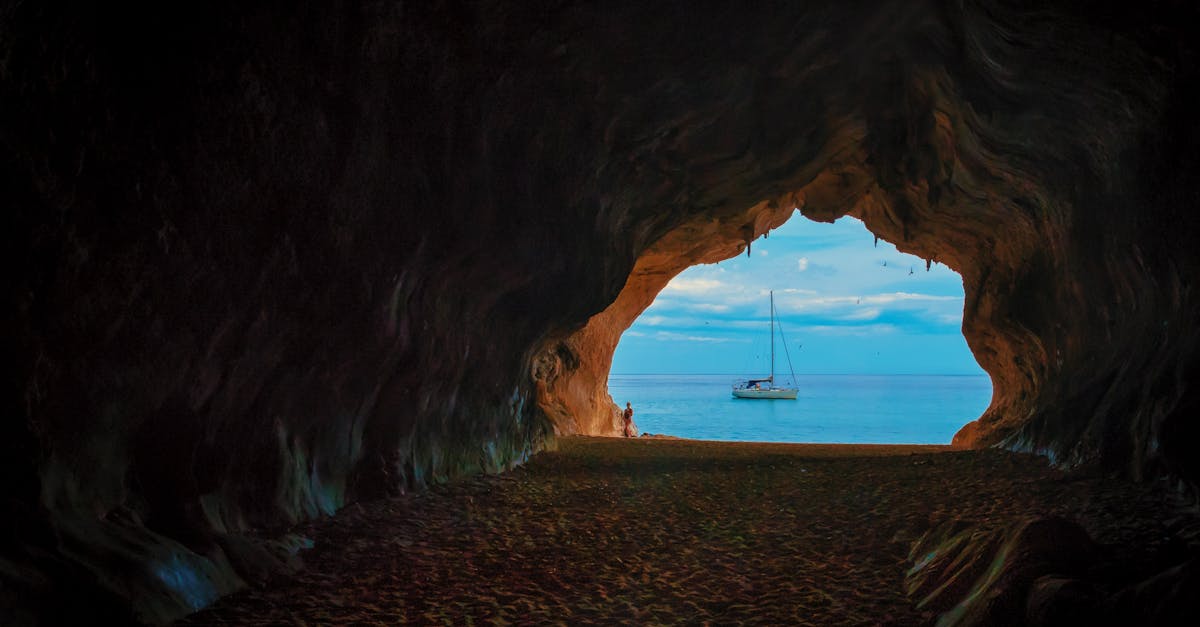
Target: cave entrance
874, 336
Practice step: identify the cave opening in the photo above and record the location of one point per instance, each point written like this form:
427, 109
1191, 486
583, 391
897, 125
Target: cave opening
273, 262
871, 335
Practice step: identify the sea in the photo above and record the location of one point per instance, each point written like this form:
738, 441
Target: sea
882, 409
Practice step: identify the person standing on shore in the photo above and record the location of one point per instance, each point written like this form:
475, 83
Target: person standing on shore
627, 417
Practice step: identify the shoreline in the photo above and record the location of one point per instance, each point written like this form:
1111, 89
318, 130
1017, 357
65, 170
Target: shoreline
854, 449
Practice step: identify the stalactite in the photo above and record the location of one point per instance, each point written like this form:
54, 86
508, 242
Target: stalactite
457, 149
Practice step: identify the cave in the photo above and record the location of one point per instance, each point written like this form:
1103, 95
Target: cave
870, 338
269, 261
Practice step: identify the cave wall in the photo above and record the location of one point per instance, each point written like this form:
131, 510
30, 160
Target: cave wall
1040, 155
571, 374
268, 260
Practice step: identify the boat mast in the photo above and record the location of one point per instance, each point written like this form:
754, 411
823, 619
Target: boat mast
772, 379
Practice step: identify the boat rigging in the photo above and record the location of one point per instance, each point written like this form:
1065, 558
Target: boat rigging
766, 388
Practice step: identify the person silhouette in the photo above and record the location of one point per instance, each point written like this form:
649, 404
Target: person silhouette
627, 418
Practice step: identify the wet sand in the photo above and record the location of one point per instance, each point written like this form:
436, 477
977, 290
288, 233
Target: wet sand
665, 531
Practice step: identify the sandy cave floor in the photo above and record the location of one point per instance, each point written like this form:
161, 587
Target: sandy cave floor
662, 531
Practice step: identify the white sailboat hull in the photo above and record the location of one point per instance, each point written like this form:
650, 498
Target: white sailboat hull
765, 388
787, 393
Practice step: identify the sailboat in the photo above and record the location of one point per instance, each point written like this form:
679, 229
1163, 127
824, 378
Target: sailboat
766, 388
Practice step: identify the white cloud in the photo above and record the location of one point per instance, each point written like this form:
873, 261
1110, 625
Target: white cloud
806, 303
678, 322
857, 331
635, 334
763, 253
866, 313
745, 324
710, 307
883, 299
693, 286
807, 265
955, 318
669, 336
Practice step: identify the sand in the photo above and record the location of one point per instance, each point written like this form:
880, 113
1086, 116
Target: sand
665, 531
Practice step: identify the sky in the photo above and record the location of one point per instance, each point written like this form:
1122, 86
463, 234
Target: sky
846, 306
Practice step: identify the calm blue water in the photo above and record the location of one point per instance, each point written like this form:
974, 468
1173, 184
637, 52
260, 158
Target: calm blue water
885, 409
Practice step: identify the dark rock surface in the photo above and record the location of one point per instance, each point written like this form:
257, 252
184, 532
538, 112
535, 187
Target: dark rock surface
1049, 571
264, 261
1014, 574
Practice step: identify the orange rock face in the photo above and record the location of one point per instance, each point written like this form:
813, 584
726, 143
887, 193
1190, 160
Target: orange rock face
270, 262
1034, 289
572, 375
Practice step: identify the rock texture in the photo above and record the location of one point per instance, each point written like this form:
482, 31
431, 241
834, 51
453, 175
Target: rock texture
572, 374
1049, 571
972, 575
268, 260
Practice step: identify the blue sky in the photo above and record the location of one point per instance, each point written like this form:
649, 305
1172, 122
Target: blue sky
846, 307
